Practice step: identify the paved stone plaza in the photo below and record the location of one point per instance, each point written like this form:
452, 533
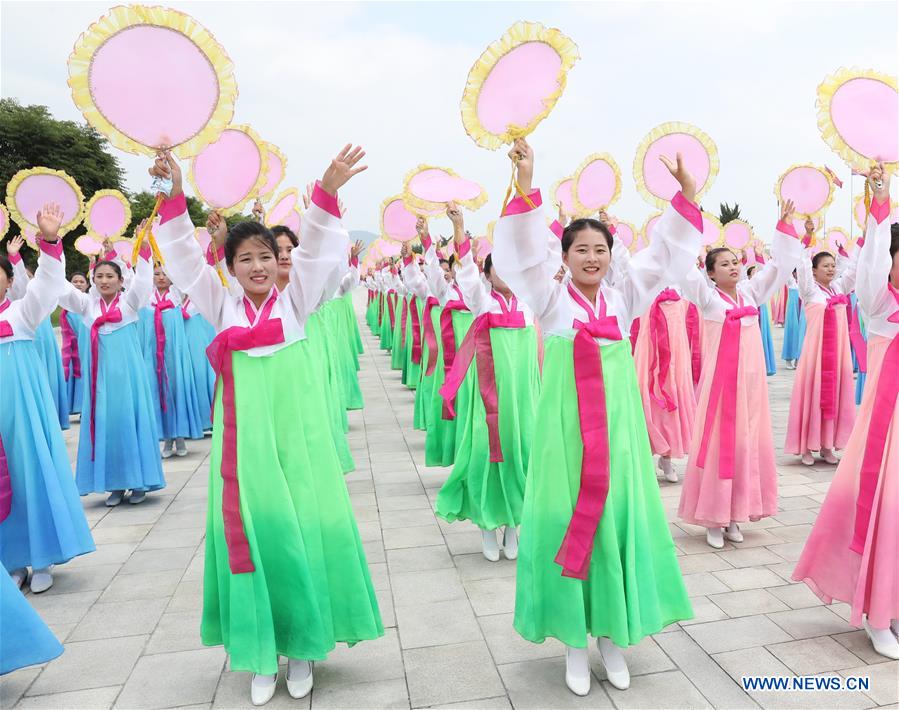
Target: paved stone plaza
129, 613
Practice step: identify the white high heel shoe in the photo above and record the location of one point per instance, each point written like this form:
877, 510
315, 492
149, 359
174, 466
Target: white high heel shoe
616, 667
577, 670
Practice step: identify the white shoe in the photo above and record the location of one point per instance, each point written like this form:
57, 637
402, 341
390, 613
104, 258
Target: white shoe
167, 448
807, 459
732, 533
715, 537
577, 670
41, 580
827, 455
616, 666
491, 548
883, 641
180, 447
299, 678
262, 688
510, 543
114, 498
137, 497
19, 576
894, 627
668, 469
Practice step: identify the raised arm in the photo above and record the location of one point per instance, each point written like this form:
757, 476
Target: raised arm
412, 276
786, 255
19, 272
874, 263
42, 292
140, 288
468, 278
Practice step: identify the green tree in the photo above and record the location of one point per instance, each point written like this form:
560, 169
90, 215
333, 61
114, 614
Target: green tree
728, 213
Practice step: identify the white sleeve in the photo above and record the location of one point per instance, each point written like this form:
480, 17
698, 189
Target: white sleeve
42, 292
140, 287
349, 281
434, 274
415, 280
873, 269
20, 279
474, 293
805, 278
786, 255
845, 282
696, 288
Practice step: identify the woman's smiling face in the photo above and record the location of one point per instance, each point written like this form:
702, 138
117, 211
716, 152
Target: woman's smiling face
588, 258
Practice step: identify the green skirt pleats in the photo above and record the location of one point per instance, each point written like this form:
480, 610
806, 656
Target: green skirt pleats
398, 350
386, 331
353, 324
345, 359
491, 494
634, 586
425, 389
311, 586
317, 337
443, 435
412, 370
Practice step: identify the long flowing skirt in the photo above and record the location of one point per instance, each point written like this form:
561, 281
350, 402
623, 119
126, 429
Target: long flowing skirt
794, 327
412, 370
350, 311
669, 431
200, 334
491, 494
425, 389
26, 640
386, 326
75, 385
398, 339
342, 364
127, 432
311, 586
48, 351
182, 416
868, 582
807, 430
706, 498
634, 586
46, 523
767, 340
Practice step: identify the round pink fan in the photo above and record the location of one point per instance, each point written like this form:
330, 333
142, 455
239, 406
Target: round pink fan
808, 186
283, 205
107, 214
712, 231
429, 188
229, 171
836, 237
648, 226
88, 245
858, 112
654, 181
388, 247
292, 221
737, 234
563, 194
148, 77
799, 225
625, 233
123, 248
397, 222
202, 235
597, 183
276, 167
482, 247
860, 213
29, 190
4, 221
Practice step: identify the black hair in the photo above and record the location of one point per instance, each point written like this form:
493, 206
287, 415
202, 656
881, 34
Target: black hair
750, 270
488, 264
78, 273
6, 265
712, 257
248, 229
816, 259
579, 225
894, 239
111, 264
280, 229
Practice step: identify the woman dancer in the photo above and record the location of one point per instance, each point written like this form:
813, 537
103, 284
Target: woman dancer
75, 347
794, 324
765, 327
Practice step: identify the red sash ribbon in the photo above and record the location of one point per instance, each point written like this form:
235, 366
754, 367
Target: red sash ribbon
660, 352
429, 335
5, 485
448, 337
162, 303
108, 314
71, 362
416, 331
695, 344
830, 354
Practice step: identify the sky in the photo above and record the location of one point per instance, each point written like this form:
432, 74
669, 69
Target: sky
389, 76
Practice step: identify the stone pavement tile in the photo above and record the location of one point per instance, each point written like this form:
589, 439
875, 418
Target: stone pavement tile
167, 539
883, 680
379, 576
476, 566
95, 699
14, 685
115, 553
363, 486
116, 619
703, 583
385, 606
123, 533
794, 533
413, 502
464, 542
659, 690
795, 517
697, 545
387, 694
169, 680
643, 658
180, 521
445, 674
734, 634
796, 596
703, 610
797, 503
748, 578
415, 559
233, 693
814, 655
366, 662
63, 608
491, 596
757, 537
747, 602
406, 518
146, 513
176, 631
68, 580
369, 530
374, 551
540, 684
416, 536
814, 621
365, 513
61, 631
703, 562
427, 586
388, 475
749, 557
188, 595
784, 570
436, 624
715, 685
860, 645
499, 703
507, 646
149, 585
158, 560
90, 664
399, 489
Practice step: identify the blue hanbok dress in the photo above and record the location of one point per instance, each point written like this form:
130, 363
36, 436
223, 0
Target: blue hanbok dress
767, 341
25, 640
200, 334
80, 345
794, 326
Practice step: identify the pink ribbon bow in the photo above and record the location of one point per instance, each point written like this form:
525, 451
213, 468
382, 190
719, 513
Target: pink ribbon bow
71, 362
661, 348
5, 326
265, 332
108, 314
830, 356
577, 546
477, 344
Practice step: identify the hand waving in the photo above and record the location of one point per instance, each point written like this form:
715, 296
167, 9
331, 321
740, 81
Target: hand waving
14, 245
49, 219
342, 168
681, 173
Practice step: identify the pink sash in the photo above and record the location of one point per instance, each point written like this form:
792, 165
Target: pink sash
477, 344
448, 338
660, 352
264, 332
858, 340
695, 344
724, 389
110, 314
391, 307
577, 546
162, 303
830, 353
5, 485
403, 322
5, 327
429, 335
71, 363
416, 331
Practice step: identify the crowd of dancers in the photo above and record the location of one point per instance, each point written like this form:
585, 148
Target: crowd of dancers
560, 377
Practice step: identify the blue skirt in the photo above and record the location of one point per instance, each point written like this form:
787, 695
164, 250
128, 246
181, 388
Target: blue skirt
181, 417
767, 342
794, 327
26, 640
200, 334
127, 434
46, 523
75, 385
48, 351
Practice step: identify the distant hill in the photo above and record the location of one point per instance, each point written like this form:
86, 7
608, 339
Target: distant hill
365, 236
